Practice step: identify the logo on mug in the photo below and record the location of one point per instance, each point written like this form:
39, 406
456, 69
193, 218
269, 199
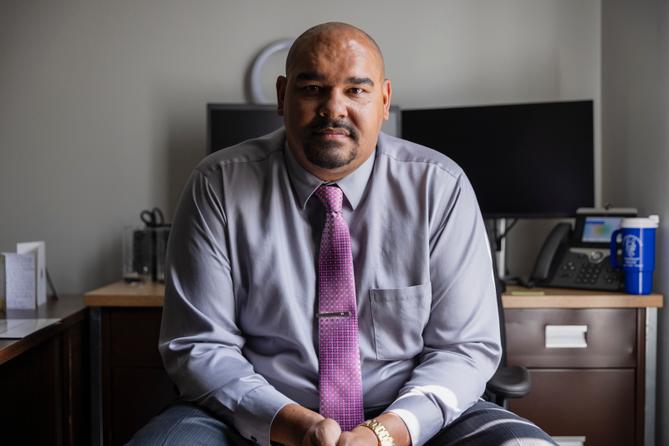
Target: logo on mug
632, 245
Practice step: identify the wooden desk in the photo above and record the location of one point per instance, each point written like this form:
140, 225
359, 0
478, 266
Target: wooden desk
518, 297
604, 390
44, 378
121, 294
622, 376
130, 385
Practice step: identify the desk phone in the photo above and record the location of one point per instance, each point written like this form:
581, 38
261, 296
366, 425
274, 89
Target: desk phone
579, 258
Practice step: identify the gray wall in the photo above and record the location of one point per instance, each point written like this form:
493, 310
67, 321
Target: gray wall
635, 136
103, 103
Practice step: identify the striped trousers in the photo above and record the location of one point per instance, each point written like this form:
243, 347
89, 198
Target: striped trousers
483, 424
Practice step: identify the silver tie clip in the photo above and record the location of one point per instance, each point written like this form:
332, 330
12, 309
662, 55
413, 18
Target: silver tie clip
334, 314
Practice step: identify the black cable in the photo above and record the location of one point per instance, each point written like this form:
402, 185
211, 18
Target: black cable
500, 237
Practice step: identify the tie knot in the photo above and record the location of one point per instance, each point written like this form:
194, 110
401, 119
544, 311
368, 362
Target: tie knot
331, 197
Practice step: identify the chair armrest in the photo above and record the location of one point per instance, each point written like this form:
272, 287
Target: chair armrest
510, 382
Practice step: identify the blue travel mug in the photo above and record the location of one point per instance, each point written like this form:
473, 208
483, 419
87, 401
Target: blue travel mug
638, 252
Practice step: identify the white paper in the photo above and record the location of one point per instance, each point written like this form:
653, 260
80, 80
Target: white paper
19, 281
38, 250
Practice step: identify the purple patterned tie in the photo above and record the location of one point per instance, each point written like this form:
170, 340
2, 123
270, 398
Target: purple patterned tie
339, 356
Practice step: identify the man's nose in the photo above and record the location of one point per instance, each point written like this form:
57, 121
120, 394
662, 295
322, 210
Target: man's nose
333, 105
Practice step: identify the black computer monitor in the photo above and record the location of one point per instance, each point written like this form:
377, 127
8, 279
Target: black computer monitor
523, 160
229, 124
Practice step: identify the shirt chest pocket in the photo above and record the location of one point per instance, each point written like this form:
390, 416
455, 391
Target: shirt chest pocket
398, 319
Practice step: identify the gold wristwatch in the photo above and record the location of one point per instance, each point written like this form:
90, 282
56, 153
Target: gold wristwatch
380, 431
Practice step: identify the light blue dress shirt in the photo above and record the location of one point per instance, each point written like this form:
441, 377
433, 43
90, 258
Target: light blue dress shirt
239, 333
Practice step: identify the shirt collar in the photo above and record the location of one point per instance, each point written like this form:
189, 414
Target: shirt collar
305, 184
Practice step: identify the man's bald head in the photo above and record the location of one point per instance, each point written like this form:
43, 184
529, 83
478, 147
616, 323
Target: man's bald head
326, 33
333, 99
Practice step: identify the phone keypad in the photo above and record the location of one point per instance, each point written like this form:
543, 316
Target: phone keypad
579, 270
588, 273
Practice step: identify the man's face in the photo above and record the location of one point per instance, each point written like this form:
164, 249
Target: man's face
334, 101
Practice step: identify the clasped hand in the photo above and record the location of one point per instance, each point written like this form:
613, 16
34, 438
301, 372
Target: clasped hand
328, 433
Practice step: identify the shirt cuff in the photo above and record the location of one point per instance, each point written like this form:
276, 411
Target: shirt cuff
256, 411
422, 417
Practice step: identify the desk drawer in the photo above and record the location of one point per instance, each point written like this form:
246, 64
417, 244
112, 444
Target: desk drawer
610, 339
596, 404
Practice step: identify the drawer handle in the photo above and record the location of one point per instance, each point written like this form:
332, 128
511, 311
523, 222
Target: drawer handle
566, 336
569, 441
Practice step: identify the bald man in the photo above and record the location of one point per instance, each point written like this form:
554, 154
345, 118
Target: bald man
328, 284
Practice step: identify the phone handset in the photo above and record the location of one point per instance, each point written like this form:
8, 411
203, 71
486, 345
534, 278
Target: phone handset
557, 238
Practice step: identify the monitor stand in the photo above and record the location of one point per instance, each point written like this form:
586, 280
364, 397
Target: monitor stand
499, 228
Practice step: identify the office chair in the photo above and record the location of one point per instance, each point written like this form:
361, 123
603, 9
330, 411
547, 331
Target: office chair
507, 382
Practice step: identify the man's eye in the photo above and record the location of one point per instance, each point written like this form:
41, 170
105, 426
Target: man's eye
311, 89
356, 91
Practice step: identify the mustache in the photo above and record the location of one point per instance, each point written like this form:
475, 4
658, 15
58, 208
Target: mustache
320, 124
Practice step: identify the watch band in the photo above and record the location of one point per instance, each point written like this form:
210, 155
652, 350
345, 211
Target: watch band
380, 431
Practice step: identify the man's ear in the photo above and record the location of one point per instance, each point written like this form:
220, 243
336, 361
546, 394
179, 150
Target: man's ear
387, 94
280, 93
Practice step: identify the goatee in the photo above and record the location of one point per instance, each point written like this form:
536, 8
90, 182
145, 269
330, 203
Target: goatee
330, 154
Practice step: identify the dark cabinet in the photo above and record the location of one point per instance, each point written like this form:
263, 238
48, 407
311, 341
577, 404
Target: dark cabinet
135, 386
44, 387
593, 391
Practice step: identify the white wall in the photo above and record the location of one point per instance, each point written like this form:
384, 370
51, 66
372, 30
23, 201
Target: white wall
102, 109
635, 137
